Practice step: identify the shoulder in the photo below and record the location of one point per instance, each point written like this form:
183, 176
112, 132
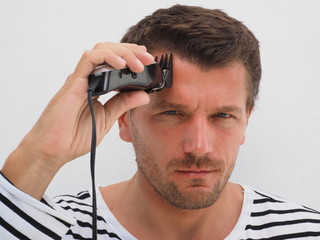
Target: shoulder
275, 216
77, 205
81, 198
261, 200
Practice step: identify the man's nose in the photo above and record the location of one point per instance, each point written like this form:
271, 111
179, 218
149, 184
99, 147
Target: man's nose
197, 137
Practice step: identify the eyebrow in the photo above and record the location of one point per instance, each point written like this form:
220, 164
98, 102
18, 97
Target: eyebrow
159, 105
229, 108
168, 105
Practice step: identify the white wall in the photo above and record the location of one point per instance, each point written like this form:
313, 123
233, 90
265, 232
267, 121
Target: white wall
41, 41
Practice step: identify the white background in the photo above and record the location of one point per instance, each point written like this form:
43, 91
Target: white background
41, 42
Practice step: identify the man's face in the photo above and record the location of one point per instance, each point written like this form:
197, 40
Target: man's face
187, 138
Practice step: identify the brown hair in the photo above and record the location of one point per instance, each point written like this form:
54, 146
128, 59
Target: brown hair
205, 37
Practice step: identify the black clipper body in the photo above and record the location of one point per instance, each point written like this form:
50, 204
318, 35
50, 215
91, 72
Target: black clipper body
155, 77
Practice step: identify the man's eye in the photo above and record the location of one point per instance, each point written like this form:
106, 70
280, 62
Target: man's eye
223, 115
170, 112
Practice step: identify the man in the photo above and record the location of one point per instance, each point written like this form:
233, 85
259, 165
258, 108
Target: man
186, 140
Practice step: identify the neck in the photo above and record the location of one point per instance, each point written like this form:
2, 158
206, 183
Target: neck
142, 205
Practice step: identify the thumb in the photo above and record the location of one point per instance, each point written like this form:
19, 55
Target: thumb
123, 102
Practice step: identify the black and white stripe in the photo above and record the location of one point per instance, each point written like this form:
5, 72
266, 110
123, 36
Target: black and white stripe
23, 217
67, 217
79, 206
272, 218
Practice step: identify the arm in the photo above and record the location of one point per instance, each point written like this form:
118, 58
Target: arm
23, 217
63, 131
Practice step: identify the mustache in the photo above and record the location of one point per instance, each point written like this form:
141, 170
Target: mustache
190, 160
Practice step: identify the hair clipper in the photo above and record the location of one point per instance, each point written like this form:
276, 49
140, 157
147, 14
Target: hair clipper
155, 77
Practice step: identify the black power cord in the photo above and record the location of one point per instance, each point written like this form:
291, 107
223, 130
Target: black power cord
150, 82
91, 88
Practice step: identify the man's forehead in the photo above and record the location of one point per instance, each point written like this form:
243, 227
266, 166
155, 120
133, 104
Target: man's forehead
219, 88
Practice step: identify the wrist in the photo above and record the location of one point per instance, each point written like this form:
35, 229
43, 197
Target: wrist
28, 170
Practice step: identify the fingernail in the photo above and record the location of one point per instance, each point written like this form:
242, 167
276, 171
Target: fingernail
121, 61
139, 63
149, 55
142, 46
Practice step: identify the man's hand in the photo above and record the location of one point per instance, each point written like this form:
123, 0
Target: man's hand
63, 131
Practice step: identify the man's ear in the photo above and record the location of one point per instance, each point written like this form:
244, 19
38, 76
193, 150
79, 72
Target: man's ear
249, 111
124, 127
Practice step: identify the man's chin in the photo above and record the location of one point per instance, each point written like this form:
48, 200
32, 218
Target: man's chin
192, 197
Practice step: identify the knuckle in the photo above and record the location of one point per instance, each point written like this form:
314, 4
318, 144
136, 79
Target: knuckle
70, 76
98, 45
131, 45
101, 45
86, 54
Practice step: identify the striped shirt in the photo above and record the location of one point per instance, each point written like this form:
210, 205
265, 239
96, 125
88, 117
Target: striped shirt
263, 216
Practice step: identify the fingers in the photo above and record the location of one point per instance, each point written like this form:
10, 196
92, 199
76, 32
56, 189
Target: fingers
122, 103
116, 55
137, 56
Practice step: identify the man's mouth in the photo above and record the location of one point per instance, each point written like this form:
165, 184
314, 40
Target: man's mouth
194, 173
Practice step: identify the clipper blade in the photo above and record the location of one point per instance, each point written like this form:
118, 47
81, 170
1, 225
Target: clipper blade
165, 64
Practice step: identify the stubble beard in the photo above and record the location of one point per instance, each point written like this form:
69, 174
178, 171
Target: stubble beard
195, 198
